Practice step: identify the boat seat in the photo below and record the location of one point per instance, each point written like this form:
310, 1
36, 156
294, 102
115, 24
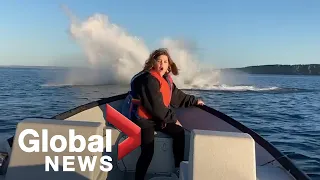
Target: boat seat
30, 166
162, 161
220, 155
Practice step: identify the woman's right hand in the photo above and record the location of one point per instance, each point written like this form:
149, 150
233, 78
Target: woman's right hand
200, 102
178, 123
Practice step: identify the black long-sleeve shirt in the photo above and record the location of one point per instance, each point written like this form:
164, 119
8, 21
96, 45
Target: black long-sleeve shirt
147, 89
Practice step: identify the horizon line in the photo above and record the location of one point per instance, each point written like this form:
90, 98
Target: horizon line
52, 66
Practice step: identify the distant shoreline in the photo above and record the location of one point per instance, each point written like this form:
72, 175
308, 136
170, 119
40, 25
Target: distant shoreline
273, 69
277, 69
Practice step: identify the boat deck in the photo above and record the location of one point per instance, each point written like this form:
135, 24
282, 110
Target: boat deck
27, 165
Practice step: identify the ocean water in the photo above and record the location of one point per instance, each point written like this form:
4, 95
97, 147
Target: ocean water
285, 110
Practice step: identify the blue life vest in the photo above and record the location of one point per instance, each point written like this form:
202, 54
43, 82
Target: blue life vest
130, 104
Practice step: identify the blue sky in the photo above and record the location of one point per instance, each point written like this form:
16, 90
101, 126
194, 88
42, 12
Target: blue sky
228, 33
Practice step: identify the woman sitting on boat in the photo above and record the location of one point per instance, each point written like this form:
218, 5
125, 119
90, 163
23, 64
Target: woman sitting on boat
152, 93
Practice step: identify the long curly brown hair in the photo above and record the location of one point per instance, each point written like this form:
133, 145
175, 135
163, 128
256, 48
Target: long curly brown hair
151, 61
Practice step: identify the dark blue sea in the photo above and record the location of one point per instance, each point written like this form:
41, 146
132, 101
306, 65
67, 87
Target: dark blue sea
285, 110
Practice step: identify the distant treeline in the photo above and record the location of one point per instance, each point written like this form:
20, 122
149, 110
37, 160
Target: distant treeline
305, 69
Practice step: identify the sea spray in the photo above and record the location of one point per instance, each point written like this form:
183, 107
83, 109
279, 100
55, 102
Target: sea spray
193, 74
114, 55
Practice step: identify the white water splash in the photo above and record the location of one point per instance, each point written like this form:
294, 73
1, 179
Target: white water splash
114, 56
